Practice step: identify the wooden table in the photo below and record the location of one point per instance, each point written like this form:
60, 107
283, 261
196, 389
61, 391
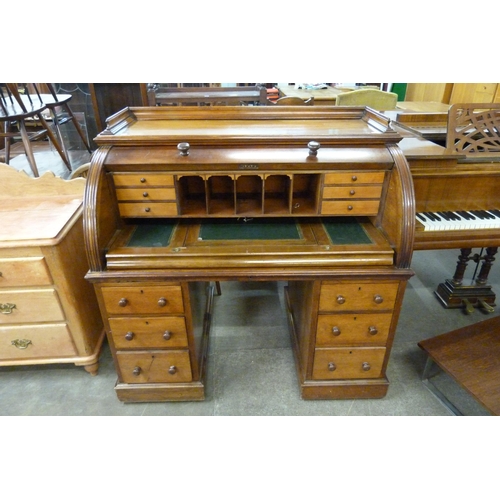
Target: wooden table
471, 356
423, 106
322, 97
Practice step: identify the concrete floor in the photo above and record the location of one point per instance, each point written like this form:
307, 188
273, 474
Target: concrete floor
251, 370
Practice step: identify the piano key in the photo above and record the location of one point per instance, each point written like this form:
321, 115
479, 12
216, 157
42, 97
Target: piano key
460, 220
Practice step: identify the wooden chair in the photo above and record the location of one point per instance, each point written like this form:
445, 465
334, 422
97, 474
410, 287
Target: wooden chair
60, 111
17, 109
376, 99
294, 101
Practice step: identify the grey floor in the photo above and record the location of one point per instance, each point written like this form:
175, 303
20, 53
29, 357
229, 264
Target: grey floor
251, 369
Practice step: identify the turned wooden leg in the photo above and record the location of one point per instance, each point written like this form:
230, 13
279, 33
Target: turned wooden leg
488, 259
92, 369
463, 260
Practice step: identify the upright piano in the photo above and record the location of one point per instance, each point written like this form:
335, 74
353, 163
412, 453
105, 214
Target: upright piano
180, 199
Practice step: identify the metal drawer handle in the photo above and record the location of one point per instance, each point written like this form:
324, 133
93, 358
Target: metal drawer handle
136, 371
7, 308
378, 299
162, 302
172, 370
365, 366
167, 335
372, 330
336, 331
21, 343
129, 335
340, 299
332, 367
122, 302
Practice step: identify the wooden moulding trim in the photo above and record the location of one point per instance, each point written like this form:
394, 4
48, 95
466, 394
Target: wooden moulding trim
90, 210
408, 209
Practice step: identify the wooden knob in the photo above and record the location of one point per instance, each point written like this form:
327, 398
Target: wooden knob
122, 302
354, 178
167, 335
162, 302
352, 192
143, 180
349, 207
129, 335
331, 367
313, 148
365, 366
378, 299
372, 330
183, 148
336, 331
340, 299
147, 209
145, 194
136, 371
172, 370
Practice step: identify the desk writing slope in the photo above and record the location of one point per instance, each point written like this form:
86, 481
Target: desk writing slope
178, 198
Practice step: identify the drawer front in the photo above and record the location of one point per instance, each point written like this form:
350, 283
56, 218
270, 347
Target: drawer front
122, 300
350, 207
357, 296
335, 329
154, 367
143, 179
26, 271
352, 192
147, 209
348, 363
151, 332
35, 341
354, 178
153, 194
29, 306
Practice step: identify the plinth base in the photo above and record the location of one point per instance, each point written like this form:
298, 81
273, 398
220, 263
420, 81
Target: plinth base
454, 296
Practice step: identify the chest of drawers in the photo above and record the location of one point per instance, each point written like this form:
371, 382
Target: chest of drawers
48, 312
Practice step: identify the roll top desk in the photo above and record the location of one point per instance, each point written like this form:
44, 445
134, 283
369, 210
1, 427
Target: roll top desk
178, 199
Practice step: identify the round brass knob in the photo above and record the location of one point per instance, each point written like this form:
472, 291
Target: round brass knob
336, 331
372, 330
167, 335
172, 370
378, 299
331, 367
122, 302
129, 335
136, 371
365, 366
162, 302
340, 299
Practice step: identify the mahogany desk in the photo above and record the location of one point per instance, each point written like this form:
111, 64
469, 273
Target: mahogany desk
471, 356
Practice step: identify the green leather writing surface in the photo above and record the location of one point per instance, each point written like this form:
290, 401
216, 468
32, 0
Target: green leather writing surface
250, 229
152, 234
345, 231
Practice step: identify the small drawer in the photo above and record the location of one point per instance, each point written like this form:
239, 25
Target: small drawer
354, 178
335, 329
35, 341
120, 300
352, 192
29, 306
154, 366
146, 209
357, 296
350, 207
153, 194
348, 363
143, 179
150, 332
25, 271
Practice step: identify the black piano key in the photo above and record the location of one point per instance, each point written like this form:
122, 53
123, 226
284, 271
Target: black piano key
421, 217
444, 215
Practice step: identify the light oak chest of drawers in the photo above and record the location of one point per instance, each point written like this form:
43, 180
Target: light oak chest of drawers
48, 312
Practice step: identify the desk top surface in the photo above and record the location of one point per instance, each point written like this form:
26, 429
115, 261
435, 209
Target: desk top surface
423, 106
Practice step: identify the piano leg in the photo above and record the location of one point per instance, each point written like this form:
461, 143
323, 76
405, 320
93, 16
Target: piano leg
453, 294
